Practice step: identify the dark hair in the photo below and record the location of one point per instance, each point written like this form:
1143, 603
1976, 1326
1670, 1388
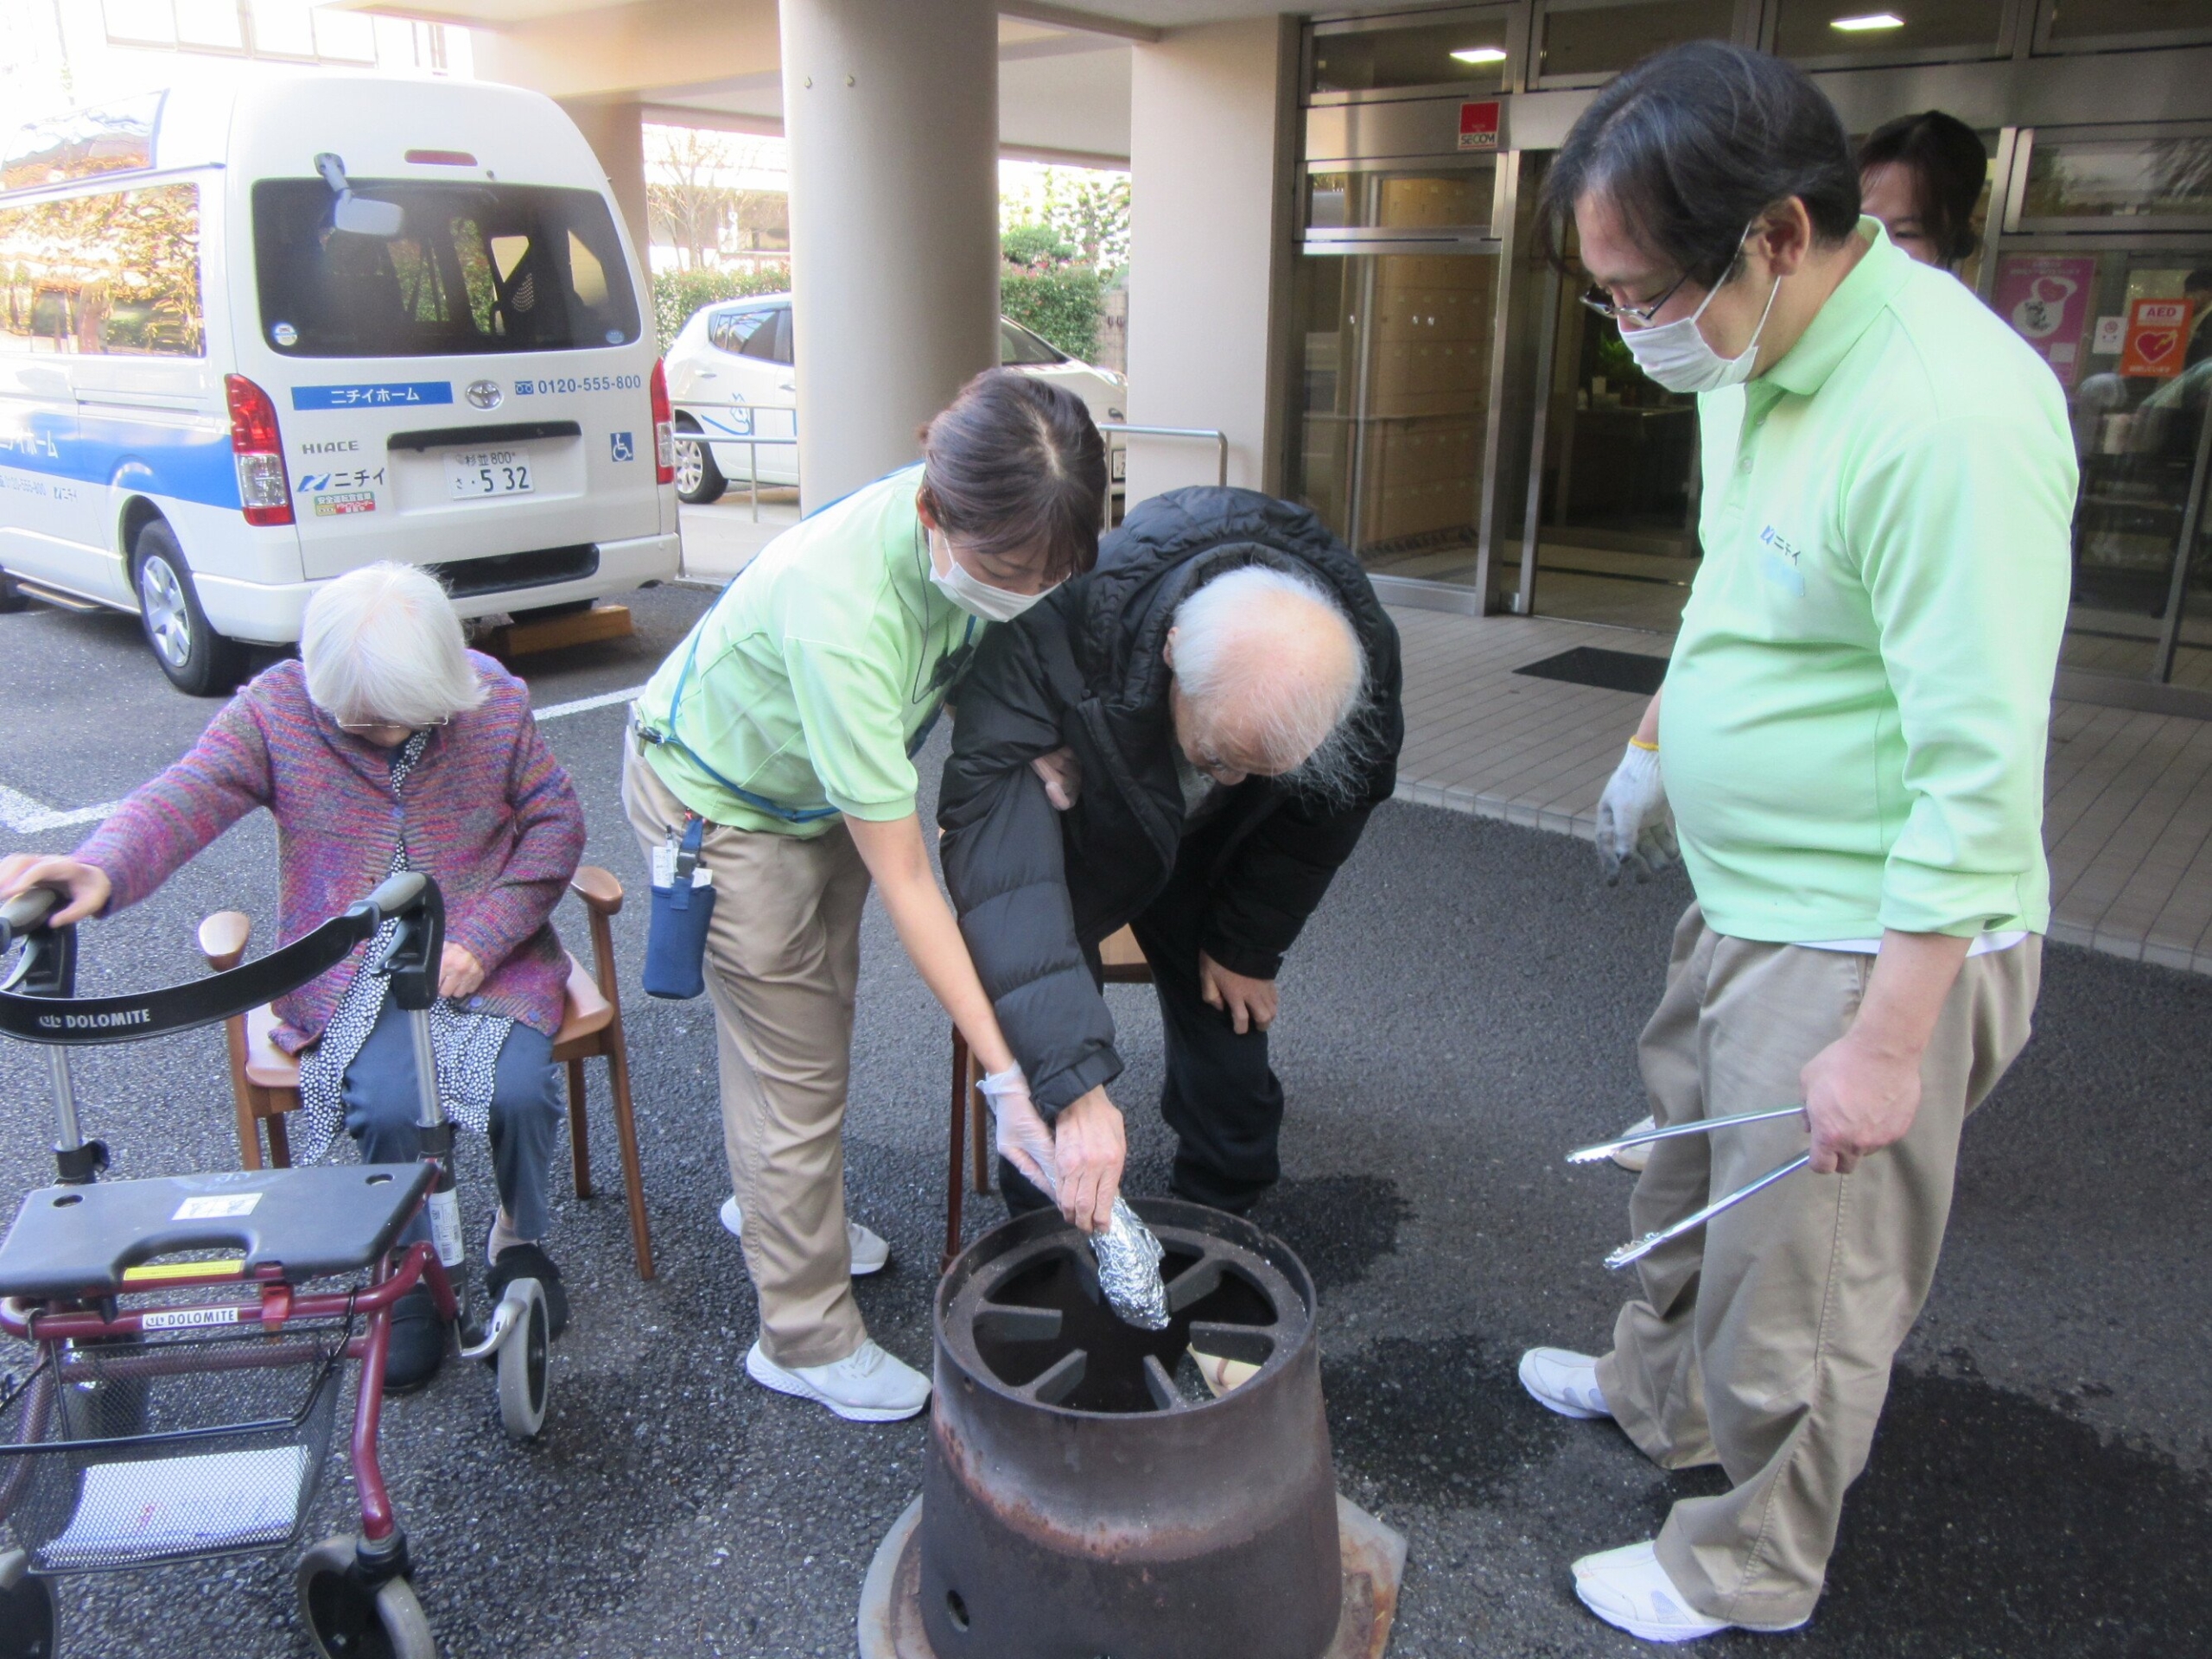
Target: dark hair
1691, 145
2197, 282
1013, 464
1947, 164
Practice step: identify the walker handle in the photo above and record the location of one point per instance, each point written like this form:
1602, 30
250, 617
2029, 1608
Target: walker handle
23, 914
398, 894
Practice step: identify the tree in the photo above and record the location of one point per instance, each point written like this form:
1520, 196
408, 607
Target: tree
687, 203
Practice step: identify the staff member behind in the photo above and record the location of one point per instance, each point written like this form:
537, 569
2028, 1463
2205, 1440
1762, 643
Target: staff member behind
1224, 685
1852, 732
787, 720
1921, 176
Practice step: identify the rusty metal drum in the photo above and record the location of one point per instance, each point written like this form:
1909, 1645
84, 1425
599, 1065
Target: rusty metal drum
1083, 1496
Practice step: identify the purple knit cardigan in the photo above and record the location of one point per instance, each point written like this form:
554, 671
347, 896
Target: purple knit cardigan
489, 812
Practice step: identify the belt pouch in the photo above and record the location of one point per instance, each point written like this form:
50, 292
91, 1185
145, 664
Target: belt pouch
676, 938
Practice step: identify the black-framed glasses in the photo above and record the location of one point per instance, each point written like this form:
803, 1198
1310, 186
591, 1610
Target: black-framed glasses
1641, 315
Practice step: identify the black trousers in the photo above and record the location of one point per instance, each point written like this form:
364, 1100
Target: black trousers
1221, 1097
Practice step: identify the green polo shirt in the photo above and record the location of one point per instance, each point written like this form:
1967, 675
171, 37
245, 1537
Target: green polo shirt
1854, 726
808, 685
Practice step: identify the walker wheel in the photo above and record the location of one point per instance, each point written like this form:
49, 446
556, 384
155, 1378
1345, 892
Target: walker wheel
347, 1620
30, 1625
523, 1382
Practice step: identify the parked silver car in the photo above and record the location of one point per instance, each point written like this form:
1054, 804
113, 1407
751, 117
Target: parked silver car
735, 397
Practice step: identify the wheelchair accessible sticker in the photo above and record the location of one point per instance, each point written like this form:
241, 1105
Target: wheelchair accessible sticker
215, 1206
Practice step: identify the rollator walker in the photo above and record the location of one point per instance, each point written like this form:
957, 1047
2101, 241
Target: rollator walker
163, 1420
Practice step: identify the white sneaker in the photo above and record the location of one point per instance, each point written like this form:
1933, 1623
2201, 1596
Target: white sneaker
1565, 1382
1629, 1589
866, 1386
870, 1253
1635, 1158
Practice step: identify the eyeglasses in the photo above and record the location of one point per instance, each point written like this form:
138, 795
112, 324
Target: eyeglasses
358, 728
1641, 315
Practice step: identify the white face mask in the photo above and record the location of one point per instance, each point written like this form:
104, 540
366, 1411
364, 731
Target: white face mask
975, 595
1678, 357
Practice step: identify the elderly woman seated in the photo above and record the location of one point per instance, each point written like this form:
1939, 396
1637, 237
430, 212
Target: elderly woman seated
388, 745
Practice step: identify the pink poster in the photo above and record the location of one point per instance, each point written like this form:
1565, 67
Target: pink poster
2046, 298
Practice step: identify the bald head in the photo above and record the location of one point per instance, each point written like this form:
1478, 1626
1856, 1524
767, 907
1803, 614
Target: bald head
1267, 669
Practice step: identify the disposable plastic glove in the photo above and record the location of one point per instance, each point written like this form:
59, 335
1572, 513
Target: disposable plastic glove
1022, 1138
1635, 827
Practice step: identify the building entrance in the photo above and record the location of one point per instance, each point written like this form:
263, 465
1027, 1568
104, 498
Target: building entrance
1394, 305
1614, 475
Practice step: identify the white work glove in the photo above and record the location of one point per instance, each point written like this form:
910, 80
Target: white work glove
1635, 827
1022, 1138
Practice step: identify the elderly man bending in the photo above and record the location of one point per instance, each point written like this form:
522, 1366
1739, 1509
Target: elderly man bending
1188, 741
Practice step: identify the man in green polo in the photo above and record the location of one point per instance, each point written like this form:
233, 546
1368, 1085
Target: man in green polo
1850, 736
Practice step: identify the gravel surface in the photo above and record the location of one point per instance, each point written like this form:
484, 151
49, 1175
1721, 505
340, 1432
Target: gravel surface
1462, 1009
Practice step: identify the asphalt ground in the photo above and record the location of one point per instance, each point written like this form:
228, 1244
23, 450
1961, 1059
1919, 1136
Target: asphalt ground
1461, 1011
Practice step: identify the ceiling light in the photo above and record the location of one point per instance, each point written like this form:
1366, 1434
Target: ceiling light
1481, 55
1872, 21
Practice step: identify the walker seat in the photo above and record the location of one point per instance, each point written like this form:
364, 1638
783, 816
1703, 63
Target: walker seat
295, 1225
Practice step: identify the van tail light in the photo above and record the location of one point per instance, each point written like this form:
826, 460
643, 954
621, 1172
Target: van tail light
664, 428
264, 491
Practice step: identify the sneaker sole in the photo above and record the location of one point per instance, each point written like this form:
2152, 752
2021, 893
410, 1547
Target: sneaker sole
1644, 1632
1559, 1405
859, 1272
769, 1375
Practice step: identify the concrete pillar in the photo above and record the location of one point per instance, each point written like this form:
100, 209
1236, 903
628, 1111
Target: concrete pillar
615, 130
891, 107
1212, 186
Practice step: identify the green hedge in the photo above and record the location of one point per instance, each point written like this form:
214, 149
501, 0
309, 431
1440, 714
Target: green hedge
677, 293
1063, 304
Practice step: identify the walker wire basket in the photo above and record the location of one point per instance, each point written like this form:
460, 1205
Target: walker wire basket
130, 1453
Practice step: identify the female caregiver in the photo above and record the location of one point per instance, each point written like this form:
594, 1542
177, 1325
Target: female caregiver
787, 722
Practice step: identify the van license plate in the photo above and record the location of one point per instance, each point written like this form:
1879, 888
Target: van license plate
472, 474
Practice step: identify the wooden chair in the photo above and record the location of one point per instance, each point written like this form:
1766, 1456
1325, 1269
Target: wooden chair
1124, 964
265, 1080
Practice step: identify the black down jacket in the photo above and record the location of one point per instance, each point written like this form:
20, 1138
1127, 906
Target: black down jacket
1036, 889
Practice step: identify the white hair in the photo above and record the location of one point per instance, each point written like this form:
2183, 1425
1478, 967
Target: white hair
383, 645
1232, 640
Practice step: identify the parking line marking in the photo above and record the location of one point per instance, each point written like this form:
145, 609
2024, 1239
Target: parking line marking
29, 817
585, 705
24, 816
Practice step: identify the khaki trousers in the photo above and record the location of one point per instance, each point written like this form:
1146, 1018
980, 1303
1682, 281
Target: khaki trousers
782, 962
1762, 1341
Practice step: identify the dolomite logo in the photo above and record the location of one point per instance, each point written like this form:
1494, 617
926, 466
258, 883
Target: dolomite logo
113, 1022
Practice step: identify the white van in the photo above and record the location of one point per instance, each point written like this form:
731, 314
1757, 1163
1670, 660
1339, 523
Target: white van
253, 338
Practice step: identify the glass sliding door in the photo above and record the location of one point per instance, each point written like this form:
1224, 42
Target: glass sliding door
1395, 295
1616, 481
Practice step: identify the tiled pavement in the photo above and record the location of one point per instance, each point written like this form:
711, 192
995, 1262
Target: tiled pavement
2128, 820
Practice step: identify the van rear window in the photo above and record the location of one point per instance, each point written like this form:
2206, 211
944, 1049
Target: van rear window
475, 268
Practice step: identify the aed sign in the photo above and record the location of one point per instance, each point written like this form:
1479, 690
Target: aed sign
1478, 126
2157, 339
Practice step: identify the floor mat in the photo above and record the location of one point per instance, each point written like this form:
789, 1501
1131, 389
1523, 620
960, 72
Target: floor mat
1611, 670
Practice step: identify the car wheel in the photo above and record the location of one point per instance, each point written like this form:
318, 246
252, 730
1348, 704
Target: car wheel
698, 480
199, 661
12, 598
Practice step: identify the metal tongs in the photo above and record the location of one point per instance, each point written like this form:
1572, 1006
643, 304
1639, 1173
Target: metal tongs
1642, 1247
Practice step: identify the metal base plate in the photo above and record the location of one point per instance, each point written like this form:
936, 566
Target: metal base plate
1373, 1559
